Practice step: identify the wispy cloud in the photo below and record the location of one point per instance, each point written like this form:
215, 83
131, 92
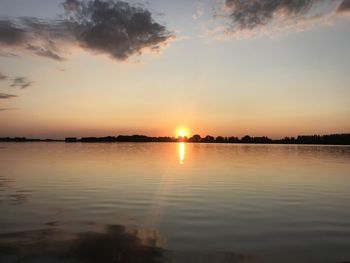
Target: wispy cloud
7, 96
50, 51
71, 5
7, 54
199, 10
6, 109
3, 76
116, 28
21, 82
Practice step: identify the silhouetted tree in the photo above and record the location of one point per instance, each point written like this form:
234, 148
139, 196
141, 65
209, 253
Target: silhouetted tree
232, 140
209, 139
220, 139
195, 138
246, 139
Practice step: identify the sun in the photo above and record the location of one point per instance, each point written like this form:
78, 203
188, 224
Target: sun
182, 132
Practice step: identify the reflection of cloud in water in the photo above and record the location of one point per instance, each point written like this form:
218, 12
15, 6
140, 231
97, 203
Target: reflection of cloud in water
4, 182
11, 194
19, 197
115, 244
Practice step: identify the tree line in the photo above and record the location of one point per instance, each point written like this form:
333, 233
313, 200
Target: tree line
331, 139
336, 139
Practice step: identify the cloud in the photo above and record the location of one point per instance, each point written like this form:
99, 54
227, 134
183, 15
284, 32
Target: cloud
115, 28
6, 109
71, 5
249, 14
2, 76
21, 82
43, 51
344, 7
7, 54
7, 96
199, 12
11, 34
249, 18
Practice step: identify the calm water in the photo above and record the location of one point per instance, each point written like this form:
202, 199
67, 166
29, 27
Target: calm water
164, 202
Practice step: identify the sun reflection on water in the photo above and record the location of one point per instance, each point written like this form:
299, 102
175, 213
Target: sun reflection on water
182, 151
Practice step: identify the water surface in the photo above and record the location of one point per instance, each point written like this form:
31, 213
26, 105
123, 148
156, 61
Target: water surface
168, 202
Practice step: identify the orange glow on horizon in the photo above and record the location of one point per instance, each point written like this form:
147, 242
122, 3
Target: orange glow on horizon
182, 132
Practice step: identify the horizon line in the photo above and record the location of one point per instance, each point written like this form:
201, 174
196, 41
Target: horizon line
336, 139
174, 137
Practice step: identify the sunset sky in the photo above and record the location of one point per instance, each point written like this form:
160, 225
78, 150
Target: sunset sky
220, 67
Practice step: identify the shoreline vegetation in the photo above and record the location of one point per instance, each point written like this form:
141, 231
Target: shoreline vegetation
331, 139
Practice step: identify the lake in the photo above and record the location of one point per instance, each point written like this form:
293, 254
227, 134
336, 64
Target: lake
174, 202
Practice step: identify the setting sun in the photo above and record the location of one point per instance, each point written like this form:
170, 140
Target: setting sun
182, 132
189, 130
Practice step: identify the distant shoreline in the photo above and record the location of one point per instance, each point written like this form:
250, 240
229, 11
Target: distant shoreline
332, 139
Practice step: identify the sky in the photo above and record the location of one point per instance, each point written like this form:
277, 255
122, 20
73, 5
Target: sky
221, 67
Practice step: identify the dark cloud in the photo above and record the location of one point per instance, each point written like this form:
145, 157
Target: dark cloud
21, 82
344, 6
2, 76
71, 5
39, 37
116, 28
249, 14
11, 34
7, 96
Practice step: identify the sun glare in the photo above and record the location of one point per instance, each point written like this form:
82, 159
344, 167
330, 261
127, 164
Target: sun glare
182, 132
182, 151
